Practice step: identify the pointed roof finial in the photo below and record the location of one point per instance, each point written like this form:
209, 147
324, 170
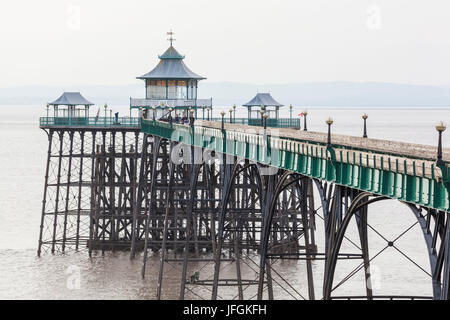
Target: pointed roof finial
171, 39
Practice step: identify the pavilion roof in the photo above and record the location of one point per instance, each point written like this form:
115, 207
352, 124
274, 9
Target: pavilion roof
263, 99
71, 99
171, 53
171, 66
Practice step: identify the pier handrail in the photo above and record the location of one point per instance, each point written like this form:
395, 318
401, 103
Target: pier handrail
90, 122
399, 170
271, 123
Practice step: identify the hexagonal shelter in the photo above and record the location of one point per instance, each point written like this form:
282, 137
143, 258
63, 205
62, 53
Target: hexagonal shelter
70, 108
265, 103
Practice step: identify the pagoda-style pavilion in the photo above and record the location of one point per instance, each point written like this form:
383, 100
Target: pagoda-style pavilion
70, 107
265, 103
171, 84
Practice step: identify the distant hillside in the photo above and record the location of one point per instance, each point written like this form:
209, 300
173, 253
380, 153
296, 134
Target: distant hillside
334, 94
329, 94
98, 94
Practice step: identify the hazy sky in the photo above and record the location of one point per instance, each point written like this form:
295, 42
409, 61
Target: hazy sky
111, 42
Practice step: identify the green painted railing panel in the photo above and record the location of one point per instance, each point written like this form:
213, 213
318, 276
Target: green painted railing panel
89, 122
315, 160
271, 123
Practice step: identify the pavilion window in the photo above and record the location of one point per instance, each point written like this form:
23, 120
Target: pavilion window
181, 89
156, 89
172, 89
192, 89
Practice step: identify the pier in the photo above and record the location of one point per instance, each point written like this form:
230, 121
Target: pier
197, 190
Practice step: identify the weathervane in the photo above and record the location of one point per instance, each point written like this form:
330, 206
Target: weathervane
171, 39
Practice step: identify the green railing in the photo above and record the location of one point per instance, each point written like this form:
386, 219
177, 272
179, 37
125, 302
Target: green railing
135, 122
421, 182
89, 122
271, 123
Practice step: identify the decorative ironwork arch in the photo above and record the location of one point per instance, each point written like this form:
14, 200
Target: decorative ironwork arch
231, 172
362, 201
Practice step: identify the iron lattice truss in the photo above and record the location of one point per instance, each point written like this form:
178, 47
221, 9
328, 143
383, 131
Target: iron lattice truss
220, 226
88, 186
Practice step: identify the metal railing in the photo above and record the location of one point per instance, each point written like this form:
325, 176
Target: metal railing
365, 164
89, 122
271, 123
136, 122
202, 103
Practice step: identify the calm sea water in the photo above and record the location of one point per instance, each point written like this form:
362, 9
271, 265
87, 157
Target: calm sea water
23, 149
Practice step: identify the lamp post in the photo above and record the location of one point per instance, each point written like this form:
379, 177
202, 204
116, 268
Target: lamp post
154, 110
208, 112
265, 116
262, 116
234, 112
290, 111
48, 106
106, 107
191, 118
329, 122
223, 115
170, 115
305, 113
440, 127
365, 116
231, 115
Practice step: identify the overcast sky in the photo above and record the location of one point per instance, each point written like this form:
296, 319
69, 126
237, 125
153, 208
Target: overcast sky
111, 42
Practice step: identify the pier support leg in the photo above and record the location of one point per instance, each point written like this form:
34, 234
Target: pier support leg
44, 200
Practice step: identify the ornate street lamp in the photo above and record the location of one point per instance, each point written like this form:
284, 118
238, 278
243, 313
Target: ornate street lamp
305, 113
234, 112
231, 115
170, 115
154, 110
290, 111
265, 116
208, 111
329, 122
262, 116
365, 116
223, 115
440, 127
191, 118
